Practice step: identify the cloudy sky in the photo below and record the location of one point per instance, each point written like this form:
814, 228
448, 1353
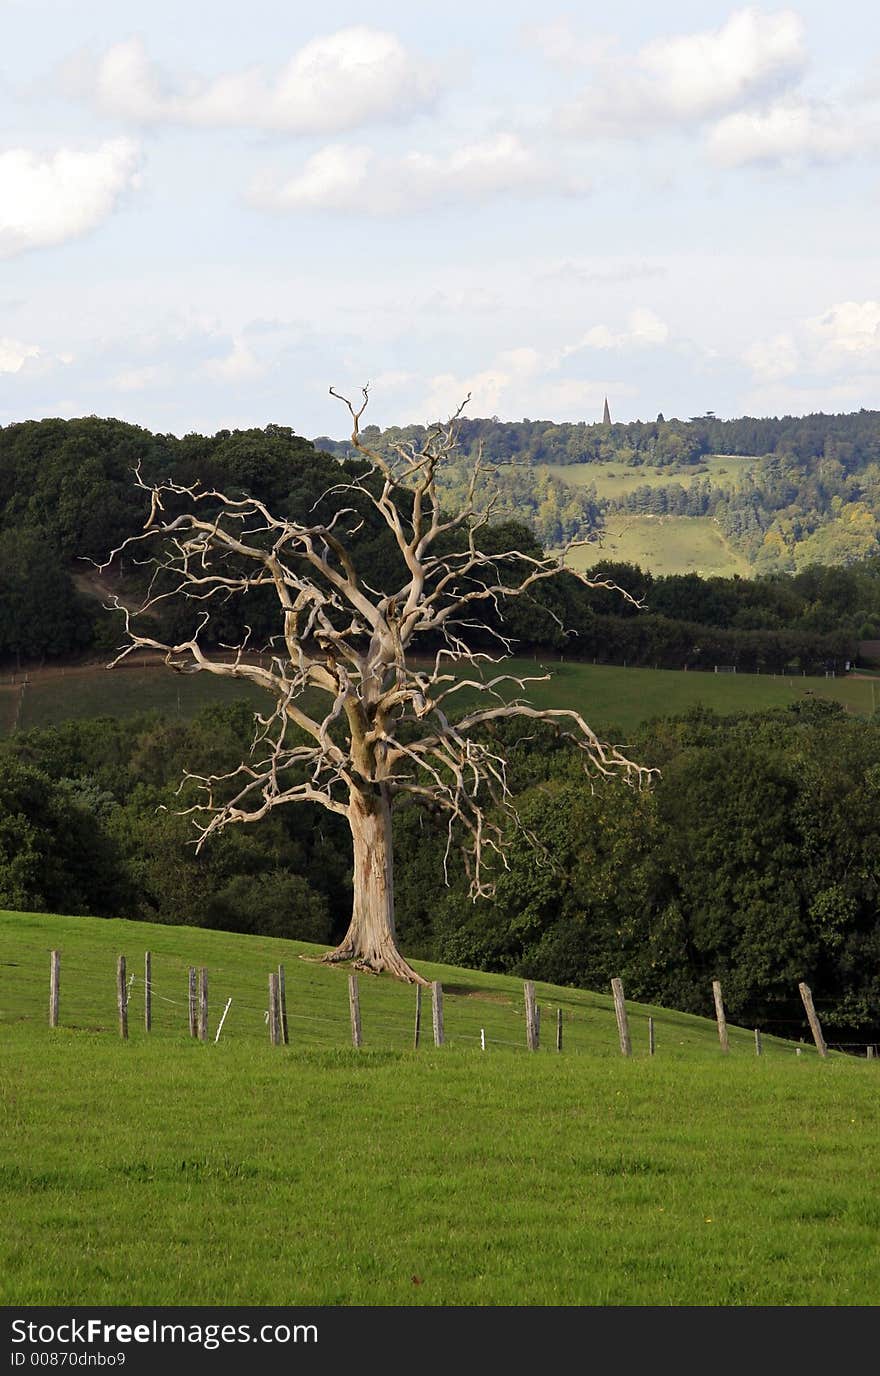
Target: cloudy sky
210, 212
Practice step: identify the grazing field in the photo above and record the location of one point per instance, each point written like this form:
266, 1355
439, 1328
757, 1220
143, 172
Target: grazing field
91, 690
611, 695
166, 1171
613, 480
603, 693
664, 545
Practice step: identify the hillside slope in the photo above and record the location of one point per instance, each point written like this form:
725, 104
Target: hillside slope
164, 1171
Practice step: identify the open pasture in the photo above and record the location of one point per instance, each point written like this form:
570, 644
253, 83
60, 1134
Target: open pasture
161, 1170
622, 697
664, 545
613, 480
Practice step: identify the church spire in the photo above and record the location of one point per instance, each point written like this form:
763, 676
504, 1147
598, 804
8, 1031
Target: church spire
606, 417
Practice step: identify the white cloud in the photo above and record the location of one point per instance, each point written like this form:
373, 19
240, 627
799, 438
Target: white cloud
239, 365
819, 349
334, 178
846, 330
343, 176
491, 388
14, 354
338, 81
48, 198
644, 330
689, 78
522, 381
793, 132
771, 359
29, 361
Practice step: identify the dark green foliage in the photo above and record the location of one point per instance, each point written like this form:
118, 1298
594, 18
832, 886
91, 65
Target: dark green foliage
125, 776
55, 849
276, 903
68, 495
40, 613
755, 859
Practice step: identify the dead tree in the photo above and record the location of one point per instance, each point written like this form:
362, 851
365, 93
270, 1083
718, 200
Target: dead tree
388, 729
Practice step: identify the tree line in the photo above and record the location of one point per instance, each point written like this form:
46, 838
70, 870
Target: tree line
853, 439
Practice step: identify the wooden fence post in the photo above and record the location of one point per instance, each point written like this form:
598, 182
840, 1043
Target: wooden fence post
274, 1020
282, 1003
54, 987
203, 1003
622, 1021
418, 1026
354, 1008
815, 1025
559, 1029
758, 1047
192, 1000
437, 1012
122, 997
719, 1016
869, 1053
148, 992
651, 1042
531, 1016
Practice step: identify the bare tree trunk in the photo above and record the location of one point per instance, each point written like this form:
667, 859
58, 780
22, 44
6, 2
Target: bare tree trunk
370, 940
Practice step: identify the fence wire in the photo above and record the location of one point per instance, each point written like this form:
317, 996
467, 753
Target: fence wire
474, 1019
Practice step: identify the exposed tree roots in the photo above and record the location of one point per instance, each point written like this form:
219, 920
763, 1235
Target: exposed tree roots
388, 961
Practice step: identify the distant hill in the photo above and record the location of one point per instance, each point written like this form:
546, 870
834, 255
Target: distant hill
648, 495
810, 495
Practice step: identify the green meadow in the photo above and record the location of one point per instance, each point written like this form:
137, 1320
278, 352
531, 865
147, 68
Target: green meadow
613, 480
665, 545
605, 694
163, 1170
661, 544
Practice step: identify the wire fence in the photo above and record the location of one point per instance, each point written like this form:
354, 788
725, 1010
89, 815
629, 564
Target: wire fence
318, 1012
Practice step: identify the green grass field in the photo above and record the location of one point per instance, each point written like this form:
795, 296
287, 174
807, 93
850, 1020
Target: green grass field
613, 480
166, 1171
605, 694
94, 691
626, 697
664, 545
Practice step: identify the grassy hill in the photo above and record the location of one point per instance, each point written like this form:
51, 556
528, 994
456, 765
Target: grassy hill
661, 544
664, 545
166, 1171
606, 694
613, 480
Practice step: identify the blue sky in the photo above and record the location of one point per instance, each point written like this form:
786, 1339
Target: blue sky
210, 213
